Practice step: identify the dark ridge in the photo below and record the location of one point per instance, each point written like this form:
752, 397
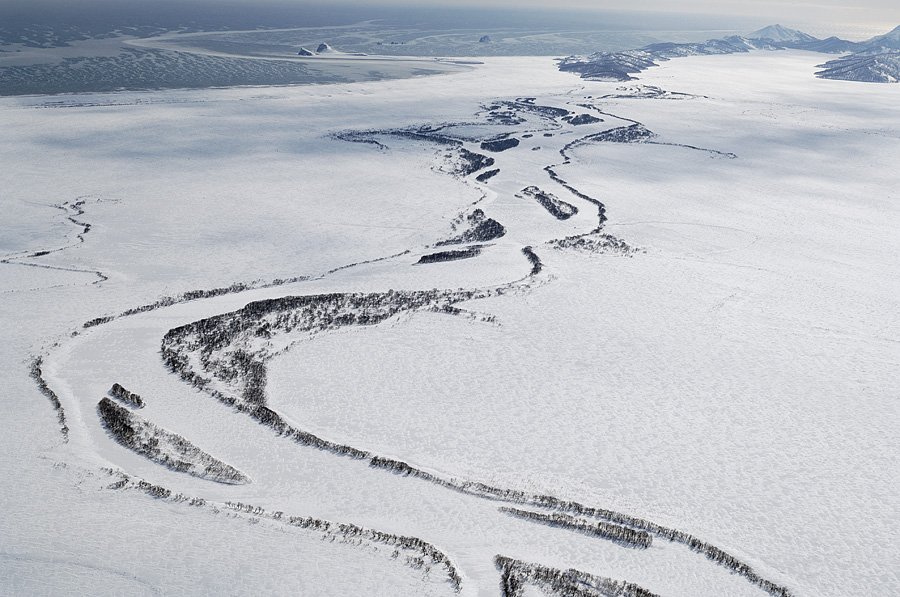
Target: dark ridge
163, 447
473, 162
536, 264
157, 491
515, 575
601, 209
344, 531
500, 144
584, 119
123, 395
485, 176
481, 229
633, 133
98, 321
466, 253
544, 111
619, 66
594, 243
424, 133
349, 531
613, 532
558, 208
37, 376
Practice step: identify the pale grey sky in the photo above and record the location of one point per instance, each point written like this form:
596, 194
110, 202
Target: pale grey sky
861, 18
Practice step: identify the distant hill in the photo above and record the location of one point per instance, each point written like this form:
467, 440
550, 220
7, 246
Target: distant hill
889, 41
873, 60
831, 45
871, 68
780, 33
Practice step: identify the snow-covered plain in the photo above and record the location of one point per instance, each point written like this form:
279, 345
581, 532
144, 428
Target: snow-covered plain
729, 373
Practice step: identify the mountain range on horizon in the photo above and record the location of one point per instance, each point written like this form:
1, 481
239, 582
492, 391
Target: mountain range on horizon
874, 60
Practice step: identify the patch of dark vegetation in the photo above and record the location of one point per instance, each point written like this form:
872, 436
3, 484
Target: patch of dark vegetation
637, 133
427, 554
190, 295
430, 134
358, 263
584, 119
480, 229
711, 552
516, 575
601, 209
594, 243
558, 208
163, 447
500, 144
193, 295
226, 348
536, 264
123, 395
550, 112
613, 532
513, 113
471, 162
38, 376
502, 113
157, 491
489, 492
98, 321
633, 133
467, 253
489, 174
423, 555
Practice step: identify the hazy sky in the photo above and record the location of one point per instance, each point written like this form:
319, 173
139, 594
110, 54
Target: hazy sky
881, 15
857, 19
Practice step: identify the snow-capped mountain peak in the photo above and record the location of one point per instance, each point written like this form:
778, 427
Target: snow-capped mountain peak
780, 33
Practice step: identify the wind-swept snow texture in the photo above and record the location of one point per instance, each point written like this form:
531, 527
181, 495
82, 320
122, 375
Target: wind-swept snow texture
649, 350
